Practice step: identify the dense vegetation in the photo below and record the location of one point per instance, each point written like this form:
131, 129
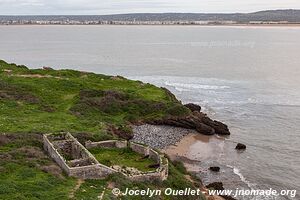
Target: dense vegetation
90, 106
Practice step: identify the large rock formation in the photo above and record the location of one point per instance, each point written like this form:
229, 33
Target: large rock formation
215, 186
193, 107
197, 121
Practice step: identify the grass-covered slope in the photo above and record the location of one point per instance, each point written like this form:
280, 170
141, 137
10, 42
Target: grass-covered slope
27, 173
123, 157
88, 105
39, 100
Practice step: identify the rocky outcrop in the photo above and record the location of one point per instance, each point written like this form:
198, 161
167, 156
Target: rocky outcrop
219, 127
214, 169
193, 107
205, 129
197, 121
228, 197
215, 186
240, 146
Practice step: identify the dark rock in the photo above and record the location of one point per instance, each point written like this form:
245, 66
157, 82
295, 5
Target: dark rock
197, 121
240, 146
193, 107
220, 128
216, 186
214, 169
226, 197
174, 121
204, 129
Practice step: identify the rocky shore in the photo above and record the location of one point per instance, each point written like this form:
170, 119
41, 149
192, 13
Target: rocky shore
197, 120
158, 136
170, 130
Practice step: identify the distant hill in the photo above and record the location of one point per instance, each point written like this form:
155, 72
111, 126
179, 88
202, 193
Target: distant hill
269, 15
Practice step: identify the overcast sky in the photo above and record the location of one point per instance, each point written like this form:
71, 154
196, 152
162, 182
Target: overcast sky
99, 7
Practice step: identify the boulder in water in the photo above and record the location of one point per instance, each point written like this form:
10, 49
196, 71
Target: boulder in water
240, 146
214, 169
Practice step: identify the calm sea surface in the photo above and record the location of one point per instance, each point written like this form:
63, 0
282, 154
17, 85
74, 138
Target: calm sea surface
247, 77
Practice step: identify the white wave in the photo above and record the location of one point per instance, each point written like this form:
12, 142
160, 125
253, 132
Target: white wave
237, 172
196, 86
182, 89
223, 92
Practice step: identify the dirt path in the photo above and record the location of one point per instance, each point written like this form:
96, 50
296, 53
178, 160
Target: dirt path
77, 186
36, 76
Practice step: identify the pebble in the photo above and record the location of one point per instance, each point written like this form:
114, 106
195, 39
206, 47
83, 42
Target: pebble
158, 136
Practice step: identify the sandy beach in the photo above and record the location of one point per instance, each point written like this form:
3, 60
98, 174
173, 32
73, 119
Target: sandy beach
188, 146
193, 149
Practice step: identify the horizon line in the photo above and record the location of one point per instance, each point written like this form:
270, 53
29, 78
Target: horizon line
215, 13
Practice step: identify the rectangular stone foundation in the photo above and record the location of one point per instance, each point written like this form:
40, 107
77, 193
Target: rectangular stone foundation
78, 162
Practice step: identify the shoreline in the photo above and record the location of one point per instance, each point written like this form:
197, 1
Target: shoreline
182, 150
194, 149
185, 145
297, 25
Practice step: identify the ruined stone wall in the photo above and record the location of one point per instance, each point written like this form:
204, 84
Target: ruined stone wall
160, 173
54, 154
107, 144
164, 170
121, 144
141, 149
80, 162
154, 155
97, 171
85, 166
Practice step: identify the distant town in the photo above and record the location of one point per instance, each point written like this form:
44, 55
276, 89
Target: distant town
72, 22
257, 18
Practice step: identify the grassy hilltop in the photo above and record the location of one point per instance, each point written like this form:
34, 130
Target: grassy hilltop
90, 106
40, 100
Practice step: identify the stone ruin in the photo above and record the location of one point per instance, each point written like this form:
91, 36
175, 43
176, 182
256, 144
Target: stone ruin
76, 160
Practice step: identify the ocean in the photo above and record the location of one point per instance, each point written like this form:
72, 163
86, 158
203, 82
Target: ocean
247, 77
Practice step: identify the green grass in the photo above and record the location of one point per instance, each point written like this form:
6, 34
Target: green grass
23, 182
27, 173
74, 101
85, 104
123, 157
90, 189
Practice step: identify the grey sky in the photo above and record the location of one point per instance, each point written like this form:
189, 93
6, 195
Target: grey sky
40, 7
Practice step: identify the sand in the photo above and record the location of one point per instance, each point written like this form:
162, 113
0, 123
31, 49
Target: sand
193, 149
